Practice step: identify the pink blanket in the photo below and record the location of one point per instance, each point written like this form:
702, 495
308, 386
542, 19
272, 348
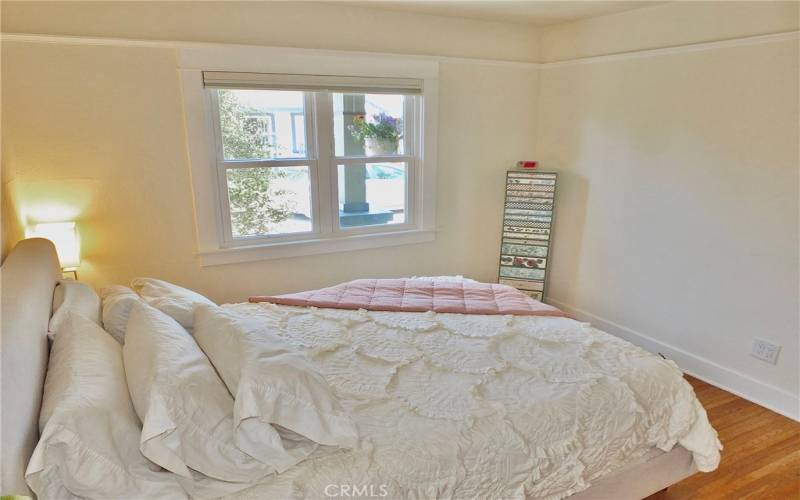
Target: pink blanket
418, 295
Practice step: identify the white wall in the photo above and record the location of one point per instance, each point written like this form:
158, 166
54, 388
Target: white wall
677, 222
666, 24
102, 126
328, 25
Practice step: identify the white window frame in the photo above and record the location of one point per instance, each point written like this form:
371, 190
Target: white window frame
209, 186
310, 160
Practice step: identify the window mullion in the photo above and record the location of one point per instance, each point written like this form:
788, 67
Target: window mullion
410, 137
225, 232
326, 175
362, 160
289, 162
413, 184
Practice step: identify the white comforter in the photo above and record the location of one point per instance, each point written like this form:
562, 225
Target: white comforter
470, 406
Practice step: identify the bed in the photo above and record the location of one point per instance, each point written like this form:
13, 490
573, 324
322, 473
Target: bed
447, 405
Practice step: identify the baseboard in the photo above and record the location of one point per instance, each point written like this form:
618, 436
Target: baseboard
766, 395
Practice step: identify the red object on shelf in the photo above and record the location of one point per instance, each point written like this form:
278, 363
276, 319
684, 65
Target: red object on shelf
527, 164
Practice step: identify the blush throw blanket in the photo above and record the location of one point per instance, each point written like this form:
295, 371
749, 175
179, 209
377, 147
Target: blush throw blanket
418, 295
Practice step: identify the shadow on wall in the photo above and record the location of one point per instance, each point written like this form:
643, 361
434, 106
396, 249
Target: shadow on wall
570, 218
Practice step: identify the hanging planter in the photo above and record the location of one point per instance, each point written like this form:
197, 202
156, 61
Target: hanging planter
376, 146
380, 135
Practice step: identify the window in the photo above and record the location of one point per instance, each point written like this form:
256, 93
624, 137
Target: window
306, 163
271, 174
371, 136
269, 177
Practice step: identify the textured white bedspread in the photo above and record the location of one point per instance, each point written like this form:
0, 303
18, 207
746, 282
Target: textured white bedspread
468, 406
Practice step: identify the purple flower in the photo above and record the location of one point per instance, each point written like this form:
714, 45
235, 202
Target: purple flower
384, 119
382, 126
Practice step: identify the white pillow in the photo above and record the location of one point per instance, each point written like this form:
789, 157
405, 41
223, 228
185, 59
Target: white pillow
90, 434
187, 412
72, 296
275, 387
174, 301
117, 303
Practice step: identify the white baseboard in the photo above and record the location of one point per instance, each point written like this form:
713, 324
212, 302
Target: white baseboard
766, 395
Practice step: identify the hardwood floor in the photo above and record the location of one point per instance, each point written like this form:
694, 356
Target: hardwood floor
761, 459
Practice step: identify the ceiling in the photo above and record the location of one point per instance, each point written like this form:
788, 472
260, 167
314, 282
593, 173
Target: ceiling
531, 12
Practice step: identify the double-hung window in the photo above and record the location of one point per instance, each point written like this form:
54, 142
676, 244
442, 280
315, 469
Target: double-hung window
300, 151
309, 164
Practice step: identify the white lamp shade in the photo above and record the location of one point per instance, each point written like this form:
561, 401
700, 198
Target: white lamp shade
64, 236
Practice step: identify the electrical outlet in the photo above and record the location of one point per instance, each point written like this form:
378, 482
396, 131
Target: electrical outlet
765, 350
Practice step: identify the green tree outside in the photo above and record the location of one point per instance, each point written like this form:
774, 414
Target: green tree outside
256, 205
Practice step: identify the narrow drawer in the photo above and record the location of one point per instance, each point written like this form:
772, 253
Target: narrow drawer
531, 181
521, 272
532, 175
515, 205
533, 295
541, 231
529, 197
531, 286
510, 218
544, 188
523, 261
524, 250
527, 211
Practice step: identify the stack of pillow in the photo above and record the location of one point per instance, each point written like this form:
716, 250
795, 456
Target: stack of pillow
189, 399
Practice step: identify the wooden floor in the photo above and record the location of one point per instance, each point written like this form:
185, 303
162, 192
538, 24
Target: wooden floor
761, 459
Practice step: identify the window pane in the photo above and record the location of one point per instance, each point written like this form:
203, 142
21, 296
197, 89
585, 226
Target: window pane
259, 124
298, 134
269, 201
372, 194
368, 124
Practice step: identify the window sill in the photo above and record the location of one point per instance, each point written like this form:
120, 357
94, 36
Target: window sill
313, 247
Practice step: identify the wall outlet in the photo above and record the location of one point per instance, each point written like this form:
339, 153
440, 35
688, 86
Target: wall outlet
765, 350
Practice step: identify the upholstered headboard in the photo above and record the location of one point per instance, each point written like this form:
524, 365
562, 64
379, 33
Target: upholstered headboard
27, 280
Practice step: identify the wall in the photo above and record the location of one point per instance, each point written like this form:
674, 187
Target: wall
666, 25
98, 118
106, 123
678, 207
282, 24
10, 231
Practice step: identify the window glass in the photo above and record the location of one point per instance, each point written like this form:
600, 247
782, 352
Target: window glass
298, 134
269, 200
261, 124
268, 142
372, 194
368, 124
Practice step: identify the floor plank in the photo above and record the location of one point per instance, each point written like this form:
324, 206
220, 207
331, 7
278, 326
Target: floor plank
761, 459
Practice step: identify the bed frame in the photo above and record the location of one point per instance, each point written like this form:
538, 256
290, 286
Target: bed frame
29, 276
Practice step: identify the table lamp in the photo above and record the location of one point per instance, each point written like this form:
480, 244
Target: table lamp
64, 236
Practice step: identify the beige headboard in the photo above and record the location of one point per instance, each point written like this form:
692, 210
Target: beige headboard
27, 279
